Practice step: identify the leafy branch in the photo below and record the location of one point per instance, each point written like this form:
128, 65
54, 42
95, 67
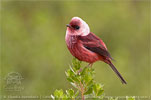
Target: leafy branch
82, 78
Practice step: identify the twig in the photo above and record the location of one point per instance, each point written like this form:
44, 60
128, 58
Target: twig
82, 91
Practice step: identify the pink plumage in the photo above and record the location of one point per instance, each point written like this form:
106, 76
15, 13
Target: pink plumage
86, 46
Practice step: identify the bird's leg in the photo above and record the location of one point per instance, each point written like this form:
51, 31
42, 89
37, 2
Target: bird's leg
90, 64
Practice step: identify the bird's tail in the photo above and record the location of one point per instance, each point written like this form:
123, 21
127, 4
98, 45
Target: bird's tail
117, 73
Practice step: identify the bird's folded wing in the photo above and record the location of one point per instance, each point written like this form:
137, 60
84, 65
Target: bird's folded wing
94, 44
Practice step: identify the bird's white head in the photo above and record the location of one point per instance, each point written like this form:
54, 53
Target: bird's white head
77, 27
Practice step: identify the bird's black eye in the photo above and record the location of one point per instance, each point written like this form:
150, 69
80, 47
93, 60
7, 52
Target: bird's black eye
77, 27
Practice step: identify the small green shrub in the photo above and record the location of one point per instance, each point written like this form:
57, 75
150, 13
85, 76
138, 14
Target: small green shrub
82, 79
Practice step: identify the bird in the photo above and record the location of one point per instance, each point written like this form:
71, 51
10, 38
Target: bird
86, 46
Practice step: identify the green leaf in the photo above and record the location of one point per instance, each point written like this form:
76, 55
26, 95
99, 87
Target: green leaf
74, 78
65, 97
89, 91
79, 77
77, 93
90, 83
100, 92
76, 64
130, 98
70, 92
87, 78
72, 70
95, 88
69, 73
74, 85
69, 79
84, 71
58, 93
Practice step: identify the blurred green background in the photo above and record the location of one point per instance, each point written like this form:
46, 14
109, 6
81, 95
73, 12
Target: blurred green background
33, 44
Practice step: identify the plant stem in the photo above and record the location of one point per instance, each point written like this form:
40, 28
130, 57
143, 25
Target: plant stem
82, 91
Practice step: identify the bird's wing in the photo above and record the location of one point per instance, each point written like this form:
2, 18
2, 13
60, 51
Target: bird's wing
95, 44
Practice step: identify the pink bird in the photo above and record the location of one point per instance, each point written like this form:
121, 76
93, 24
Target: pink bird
86, 46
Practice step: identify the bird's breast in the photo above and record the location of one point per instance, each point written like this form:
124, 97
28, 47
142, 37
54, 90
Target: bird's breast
79, 51
71, 41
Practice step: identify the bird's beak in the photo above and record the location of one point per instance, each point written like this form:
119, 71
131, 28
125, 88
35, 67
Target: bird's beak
68, 25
